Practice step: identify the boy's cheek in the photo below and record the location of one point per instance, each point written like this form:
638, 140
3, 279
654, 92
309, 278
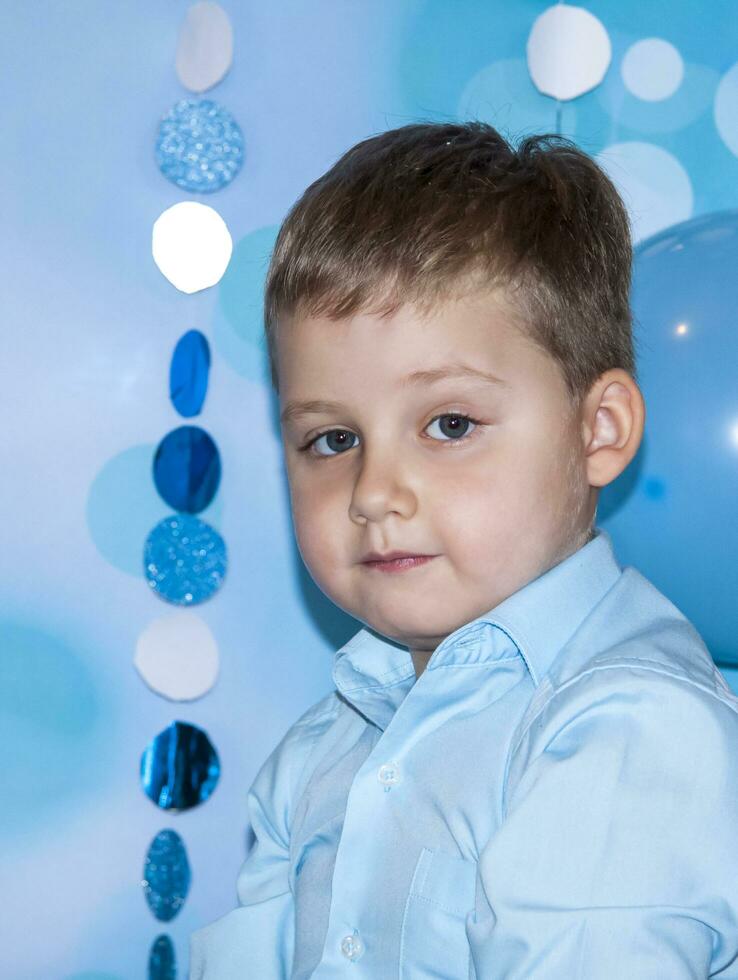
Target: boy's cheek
319, 534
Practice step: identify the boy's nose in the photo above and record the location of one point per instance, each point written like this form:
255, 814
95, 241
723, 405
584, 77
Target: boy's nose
381, 489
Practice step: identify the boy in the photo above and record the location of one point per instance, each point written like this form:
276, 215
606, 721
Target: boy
528, 766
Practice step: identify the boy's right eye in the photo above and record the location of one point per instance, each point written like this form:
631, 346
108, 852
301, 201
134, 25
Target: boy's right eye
335, 440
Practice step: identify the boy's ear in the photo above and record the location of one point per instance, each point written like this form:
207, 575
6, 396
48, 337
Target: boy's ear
613, 417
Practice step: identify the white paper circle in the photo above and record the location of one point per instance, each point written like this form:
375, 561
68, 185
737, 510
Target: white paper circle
652, 69
568, 50
654, 185
177, 656
726, 109
191, 246
205, 46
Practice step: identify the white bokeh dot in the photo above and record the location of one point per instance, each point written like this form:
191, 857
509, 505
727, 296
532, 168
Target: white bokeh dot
654, 185
191, 246
568, 51
503, 95
177, 656
726, 108
652, 69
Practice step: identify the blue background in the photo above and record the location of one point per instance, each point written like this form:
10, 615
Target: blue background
89, 326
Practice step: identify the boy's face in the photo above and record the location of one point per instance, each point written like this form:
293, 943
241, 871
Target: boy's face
497, 501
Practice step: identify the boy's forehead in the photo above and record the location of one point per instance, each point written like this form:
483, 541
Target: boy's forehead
327, 364
471, 336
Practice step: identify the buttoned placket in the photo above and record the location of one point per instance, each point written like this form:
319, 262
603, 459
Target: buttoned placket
361, 842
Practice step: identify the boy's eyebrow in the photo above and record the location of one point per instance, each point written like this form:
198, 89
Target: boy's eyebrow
294, 410
451, 371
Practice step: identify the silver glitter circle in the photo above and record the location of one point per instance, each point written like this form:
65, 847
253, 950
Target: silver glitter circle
184, 560
199, 146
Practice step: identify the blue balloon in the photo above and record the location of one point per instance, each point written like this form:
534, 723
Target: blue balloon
188, 373
672, 513
187, 469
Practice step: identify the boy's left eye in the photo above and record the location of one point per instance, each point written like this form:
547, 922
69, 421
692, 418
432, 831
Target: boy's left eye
453, 425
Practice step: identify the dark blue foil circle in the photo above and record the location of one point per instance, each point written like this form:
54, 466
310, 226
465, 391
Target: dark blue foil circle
187, 469
179, 767
188, 373
166, 875
162, 961
185, 560
199, 146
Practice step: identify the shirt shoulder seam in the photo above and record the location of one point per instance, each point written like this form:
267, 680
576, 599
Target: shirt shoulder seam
638, 663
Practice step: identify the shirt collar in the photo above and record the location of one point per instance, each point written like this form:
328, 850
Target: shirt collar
375, 674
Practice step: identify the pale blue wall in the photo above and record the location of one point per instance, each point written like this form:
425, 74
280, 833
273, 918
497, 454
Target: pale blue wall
88, 328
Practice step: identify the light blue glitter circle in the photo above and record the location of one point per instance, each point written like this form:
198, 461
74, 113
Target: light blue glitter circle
199, 146
184, 560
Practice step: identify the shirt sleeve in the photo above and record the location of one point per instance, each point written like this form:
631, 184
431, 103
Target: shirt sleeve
616, 855
257, 938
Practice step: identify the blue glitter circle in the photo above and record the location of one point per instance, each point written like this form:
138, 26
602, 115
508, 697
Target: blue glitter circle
162, 959
166, 877
199, 146
184, 560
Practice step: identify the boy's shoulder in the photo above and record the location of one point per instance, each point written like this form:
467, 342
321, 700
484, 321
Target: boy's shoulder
636, 627
303, 744
638, 665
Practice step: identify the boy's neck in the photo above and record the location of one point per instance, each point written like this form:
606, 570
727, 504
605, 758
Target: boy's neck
420, 660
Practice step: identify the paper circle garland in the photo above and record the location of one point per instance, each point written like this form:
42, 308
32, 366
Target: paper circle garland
199, 146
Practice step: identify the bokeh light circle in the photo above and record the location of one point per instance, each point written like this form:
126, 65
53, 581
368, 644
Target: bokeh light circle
726, 109
654, 185
191, 246
503, 95
652, 69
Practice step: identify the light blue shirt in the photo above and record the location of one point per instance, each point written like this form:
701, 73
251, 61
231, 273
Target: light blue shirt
554, 798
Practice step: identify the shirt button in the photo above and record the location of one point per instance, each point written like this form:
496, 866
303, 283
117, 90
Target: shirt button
352, 947
388, 774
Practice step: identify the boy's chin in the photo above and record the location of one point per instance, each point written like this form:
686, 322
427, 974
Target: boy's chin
418, 634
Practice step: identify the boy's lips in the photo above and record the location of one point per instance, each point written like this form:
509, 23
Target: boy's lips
394, 561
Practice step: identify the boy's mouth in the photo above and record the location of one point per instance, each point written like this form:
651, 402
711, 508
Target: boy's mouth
395, 561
